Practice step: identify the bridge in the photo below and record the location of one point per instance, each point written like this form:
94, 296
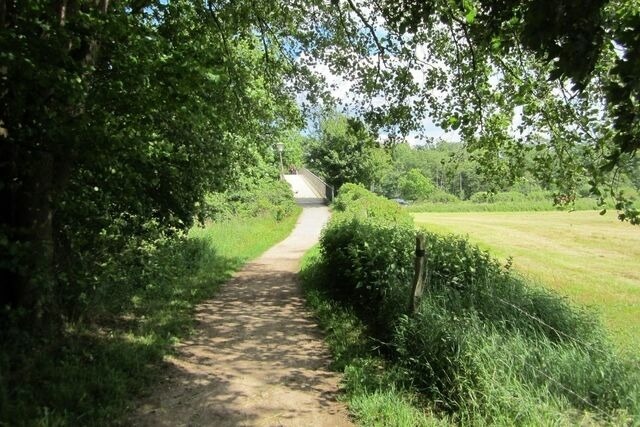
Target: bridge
308, 188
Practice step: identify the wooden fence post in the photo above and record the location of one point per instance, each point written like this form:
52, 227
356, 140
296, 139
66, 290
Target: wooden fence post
419, 273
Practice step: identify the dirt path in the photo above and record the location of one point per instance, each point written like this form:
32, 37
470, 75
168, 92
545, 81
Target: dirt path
257, 357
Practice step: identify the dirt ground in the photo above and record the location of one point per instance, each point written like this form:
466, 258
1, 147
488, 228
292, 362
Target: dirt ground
257, 357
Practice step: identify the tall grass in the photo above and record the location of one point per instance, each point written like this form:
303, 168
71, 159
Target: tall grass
375, 389
89, 373
589, 258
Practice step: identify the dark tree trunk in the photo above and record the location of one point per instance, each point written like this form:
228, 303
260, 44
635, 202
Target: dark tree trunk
27, 218
35, 161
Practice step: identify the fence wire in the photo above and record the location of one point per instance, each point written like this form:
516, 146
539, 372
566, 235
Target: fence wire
532, 317
557, 331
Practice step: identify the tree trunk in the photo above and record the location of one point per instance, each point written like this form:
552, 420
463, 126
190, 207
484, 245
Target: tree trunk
34, 168
26, 216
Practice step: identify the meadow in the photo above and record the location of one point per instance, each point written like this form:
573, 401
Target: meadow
591, 259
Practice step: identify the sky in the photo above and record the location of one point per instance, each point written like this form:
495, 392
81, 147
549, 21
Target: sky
340, 89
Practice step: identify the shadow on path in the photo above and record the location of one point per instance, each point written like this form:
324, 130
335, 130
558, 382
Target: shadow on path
257, 357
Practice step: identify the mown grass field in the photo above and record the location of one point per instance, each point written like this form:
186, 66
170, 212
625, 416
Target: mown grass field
592, 259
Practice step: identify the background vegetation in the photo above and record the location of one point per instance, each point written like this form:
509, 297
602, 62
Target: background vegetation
442, 177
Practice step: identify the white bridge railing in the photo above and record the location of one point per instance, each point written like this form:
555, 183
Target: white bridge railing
321, 187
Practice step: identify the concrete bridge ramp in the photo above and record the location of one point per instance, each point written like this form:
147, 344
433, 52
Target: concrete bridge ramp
303, 192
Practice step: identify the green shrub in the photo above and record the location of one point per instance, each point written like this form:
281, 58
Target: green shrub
481, 197
441, 196
369, 264
509, 196
354, 201
415, 186
539, 195
367, 249
539, 203
249, 200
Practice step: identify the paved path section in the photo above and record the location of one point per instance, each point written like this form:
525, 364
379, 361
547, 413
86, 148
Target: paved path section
302, 191
257, 357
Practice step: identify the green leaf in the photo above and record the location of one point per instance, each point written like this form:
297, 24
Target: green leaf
471, 11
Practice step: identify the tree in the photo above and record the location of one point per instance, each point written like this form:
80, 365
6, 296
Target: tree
117, 118
511, 77
292, 154
447, 165
378, 164
415, 186
345, 151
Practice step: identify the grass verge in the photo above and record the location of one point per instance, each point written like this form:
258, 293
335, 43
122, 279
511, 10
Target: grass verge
89, 373
483, 347
449, 366
375, 390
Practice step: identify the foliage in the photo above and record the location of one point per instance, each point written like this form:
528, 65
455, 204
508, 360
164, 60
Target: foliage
546, 80
441, 196
365, 244
415, 186
90, 372
486, 372
506, 196
558, 363
448, 165
293, 151
374, 389
246, 199
357, 202
117, 119
345, 151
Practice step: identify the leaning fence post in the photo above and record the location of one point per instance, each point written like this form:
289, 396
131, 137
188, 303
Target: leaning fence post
419, 273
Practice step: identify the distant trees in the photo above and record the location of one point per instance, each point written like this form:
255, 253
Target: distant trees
448, 166
292, 154
415, 186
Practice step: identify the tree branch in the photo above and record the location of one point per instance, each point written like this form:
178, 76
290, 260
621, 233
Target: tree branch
372, 31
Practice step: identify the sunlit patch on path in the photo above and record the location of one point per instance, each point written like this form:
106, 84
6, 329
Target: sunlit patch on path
257, 357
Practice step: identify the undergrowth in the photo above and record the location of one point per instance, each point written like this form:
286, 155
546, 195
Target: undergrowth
484, 346
89, 372
374, 387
